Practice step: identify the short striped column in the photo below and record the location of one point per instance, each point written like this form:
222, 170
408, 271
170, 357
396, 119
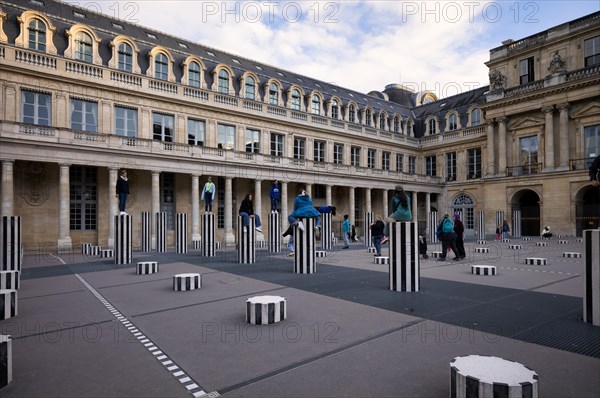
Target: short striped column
436, 254
499, 219
146, 231
591, 276
9, 280
5, 360
10, 243
404, 257
385, 260
8, 303
123, 244
536, 261
541, 244
85, 248
106, 253
265, 310
208, 234
181, 233
146, 267
483, 270
490, 377
161, 232
515, 247
563, 242
367, 229
579, 240
320, 253
482, 250
481, 225
432, 227
326, 238
274, 232
304, 242
185, 282
526, 239
95, 250
516, 223
246, 242
571, 255
482, 242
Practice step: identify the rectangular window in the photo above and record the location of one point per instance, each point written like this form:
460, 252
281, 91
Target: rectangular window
36, 108
474, 163
252, 140
526, 70
83, 198
591, 51
355, 156
276, 144
196, 132
399, 162
529, 154
385, 160
225, 136
299, 148
430, 166
338, 153
84, 115
319, 153
591, 142
167, 198
162, 127
412, 165
371, 153
451, 166
126, 122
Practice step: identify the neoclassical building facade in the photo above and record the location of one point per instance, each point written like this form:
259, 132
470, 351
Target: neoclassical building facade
84, 96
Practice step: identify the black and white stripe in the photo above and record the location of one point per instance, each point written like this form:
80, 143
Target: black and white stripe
123, 244
184, 282
367, 229
382, 260
146, 267
181, 233
482, 250
320, 253
10, 243
436, 254
304, 242
563, 242
8, 303
483, 270
326, 237
541, 244
526, 239
146, 231
505, 240
161, 232
246, 241
404, 257
432, 227
371, 250
591, 276
515, 247
196, 244
95, 250
85, 248
274, 232
516, 223
571, 255
10, 280
536, 261
265, 310
482, 242
5, 360
106, 253
208, 234
481, 225
261, 244
499, 218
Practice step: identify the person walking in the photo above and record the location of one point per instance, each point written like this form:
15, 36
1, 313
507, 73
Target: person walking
505, 229
346, 231
247, 211
445, 232
400, 210
459, 229
377, 233
275, 194
208, 194
122, 191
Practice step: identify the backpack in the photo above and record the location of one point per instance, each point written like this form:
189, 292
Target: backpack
447, 226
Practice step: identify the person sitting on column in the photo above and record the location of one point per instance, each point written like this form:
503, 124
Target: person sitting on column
208, 194
247, 211
275, 194
346, 231
377, 233
303, 208
546, 234
400, 210
459, 228
445, 232
122, 191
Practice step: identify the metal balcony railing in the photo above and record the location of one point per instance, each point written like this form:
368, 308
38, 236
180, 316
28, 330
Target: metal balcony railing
528, 169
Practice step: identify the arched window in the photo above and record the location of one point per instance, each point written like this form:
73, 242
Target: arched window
161, 67
37, 35
223, 81
431, 126
194, 74
335, 109
475, 117
273, 94
83, 47
296, 99
352, 114
249, 88
125, 53
316, 104
368, 117
464, 205
452, 122
381, 121
396, 124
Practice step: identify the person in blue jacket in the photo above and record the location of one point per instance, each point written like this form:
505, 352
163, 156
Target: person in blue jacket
326, 209
208, 194
275, 194
303, 208
401, 211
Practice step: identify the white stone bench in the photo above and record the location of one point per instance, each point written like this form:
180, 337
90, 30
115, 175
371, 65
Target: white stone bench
8, 303
482, 250
488, 377
571, 255
146, 267
563, 242
107, 253
515, 247
483, 270
9, 280
183, 282
320, 253
382, 260
536, 261
5, 360
371, 250
541, 244
265, 310
482, 242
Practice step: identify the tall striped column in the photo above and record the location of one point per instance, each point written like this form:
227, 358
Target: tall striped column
208, 234
246, 242
274, 233
516, 223
5, 360
161, 232
326, 241
10, 243
304, 242
591, 276
499, 218
181, 230
404, 256
146, 231
367, 229
123, 243
433, 227
481, 225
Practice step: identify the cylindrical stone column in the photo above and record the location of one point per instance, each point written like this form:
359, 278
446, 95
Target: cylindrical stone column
351, 204
146, 231
195, 207
123, 234
367, 229
8, 200
5, 360
549, 138
304, 242
502, 145
161, 231
246, 242
64, 208
8, 303
228, 212
155, 203
591, 276
516, 223
415, 207
491, 160
499, 219
328, 198
181, 230
257, 199
404, 256
10, 243
326, 226
112, 205
208, 234
385, 203
564, 136
432, 227
481, 225
274, 233
265, 310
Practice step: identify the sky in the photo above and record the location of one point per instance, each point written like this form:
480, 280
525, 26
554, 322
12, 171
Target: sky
439, 46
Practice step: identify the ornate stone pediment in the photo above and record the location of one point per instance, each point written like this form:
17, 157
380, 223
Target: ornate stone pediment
590, 109
526, 122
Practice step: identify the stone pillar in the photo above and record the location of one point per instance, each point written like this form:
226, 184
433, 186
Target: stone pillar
64, 237
258, 197
368, 205
181, 230
304, 247
246, 241
564, 136
385, 203
415, 207
229, 237
328, 195
113, 205
491, 159
404, 257
10, 243
155, 203
161, 231
432, 227
326, 241
499, 220
195, 207
549, 138
8, 199
367, 229
591, 276
427, 210
516, 224
275, 232
352, 204
146, 231
481, 225
309, 190
208, 234
502, 146
123, 244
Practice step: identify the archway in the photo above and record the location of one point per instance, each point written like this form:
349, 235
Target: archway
464, 205
585, 209
528, 202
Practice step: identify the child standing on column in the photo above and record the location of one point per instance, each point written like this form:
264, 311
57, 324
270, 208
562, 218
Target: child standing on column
275, 194
122, 191
208, 194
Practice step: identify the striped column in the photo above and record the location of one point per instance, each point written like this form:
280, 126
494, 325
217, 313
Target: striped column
10, 243
123, 244
516, 223
265, 310
326, 241
5, 360
591, 276
181, 230
304, 242
274, 233
246, 242
404, 256
367, 229
481, 225
161, 232
146, 231
499, 218
208, 234
433, 222
8, 303
10, 280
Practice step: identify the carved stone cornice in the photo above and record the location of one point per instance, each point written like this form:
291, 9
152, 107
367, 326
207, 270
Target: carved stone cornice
548, 109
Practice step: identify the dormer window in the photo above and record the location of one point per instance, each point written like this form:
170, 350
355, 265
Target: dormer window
334, 109
250, 90
37, 35
125, 61
381, 121
273, 94
83, 47
161, 67
431, 126
452, 122
475, 117
368, 117
316, 104
352, 114
194, 74
296, 99
223, 81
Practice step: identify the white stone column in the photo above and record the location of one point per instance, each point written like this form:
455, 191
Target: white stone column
502, 146
195, 207
385, 203
427, 211
352, 200
155, 203
258, 198
228, 213
491, 159
328, 195
415, 208
284, 209
64, 237
113, 205
549, 138
368, 206
309, 190
564, 136
8, 198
